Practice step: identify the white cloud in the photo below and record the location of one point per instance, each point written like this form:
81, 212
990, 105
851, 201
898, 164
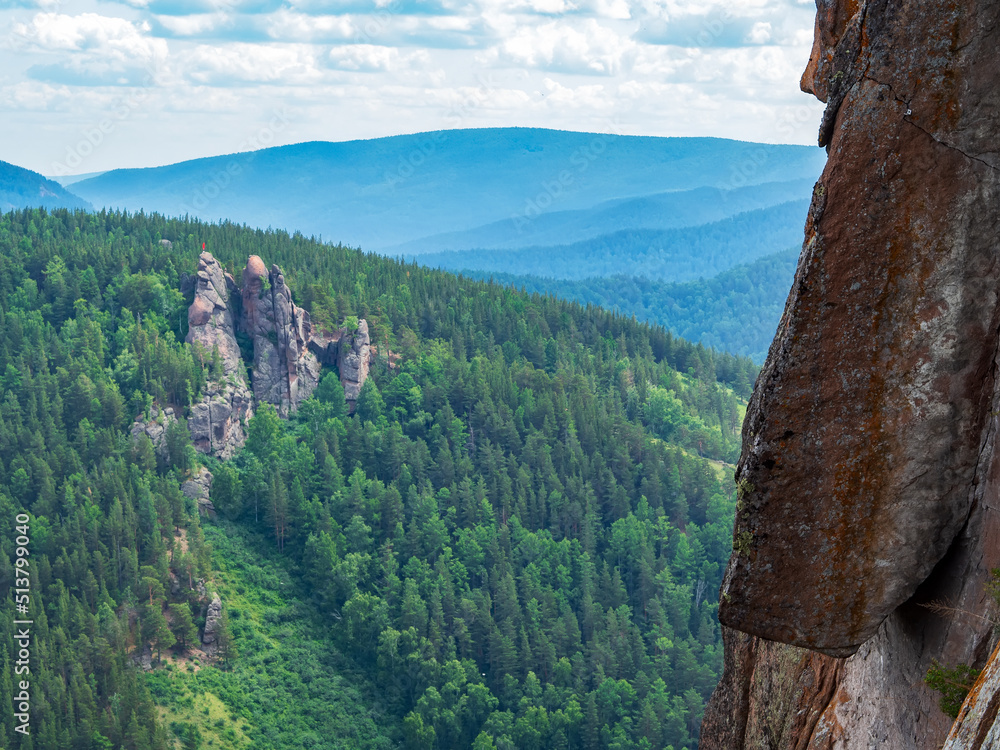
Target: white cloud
760, 33
289, 26
196, 24
362, 68
611, 9
369, 58
90, 50
582, 48
107, 36
231, 64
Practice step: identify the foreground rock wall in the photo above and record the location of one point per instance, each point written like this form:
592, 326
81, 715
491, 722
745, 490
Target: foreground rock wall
868, 479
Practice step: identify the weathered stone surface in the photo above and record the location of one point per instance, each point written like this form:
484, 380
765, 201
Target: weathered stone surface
977, 727
773, 695
144, 657
880, 699
285, 371
198, 487
217, 422
155, 428
213, 620
354, 361
870, 472
325, 346
865, 429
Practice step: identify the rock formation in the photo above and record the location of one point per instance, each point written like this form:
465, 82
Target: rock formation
198, 487
285, 372
217, 421
287, 352
353, 362
869, 475
155, 428
213, 621
977, 727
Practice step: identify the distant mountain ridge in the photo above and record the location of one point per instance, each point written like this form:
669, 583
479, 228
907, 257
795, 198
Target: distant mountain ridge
585, 209
382, 193
683, 254
677, 209
22, 188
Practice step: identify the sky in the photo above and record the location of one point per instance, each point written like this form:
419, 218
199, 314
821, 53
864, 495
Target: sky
91, 85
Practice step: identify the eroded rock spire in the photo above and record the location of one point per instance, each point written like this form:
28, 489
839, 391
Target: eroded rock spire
217, 421
285, 372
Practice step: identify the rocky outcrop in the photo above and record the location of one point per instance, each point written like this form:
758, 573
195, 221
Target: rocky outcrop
198, 487
869, 475
977, 727
155, 428
217, 421
213, 622
354, 361
143, 657
287, 352
285, 371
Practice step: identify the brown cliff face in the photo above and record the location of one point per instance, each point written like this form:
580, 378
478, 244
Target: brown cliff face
285, 372
869, 479
865, 430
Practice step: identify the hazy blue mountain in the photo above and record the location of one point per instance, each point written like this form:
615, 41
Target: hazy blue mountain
737, 311
685, 208
72, 179
22, 188
384, 192
674, 255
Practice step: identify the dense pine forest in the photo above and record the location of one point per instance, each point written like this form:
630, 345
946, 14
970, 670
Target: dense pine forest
736, 311
516, 541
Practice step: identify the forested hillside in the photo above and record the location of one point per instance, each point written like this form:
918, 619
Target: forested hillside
515, 541
673, 255
679, 208
736, 311
21, 188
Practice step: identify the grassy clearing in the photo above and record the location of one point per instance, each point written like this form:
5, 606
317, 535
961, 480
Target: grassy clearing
289, 687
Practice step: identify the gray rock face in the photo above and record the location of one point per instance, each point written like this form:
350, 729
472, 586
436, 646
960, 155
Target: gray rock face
198, 488
354, 361
287, 352
213, 619
144, 658
217, 421
156, 428
285, 371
